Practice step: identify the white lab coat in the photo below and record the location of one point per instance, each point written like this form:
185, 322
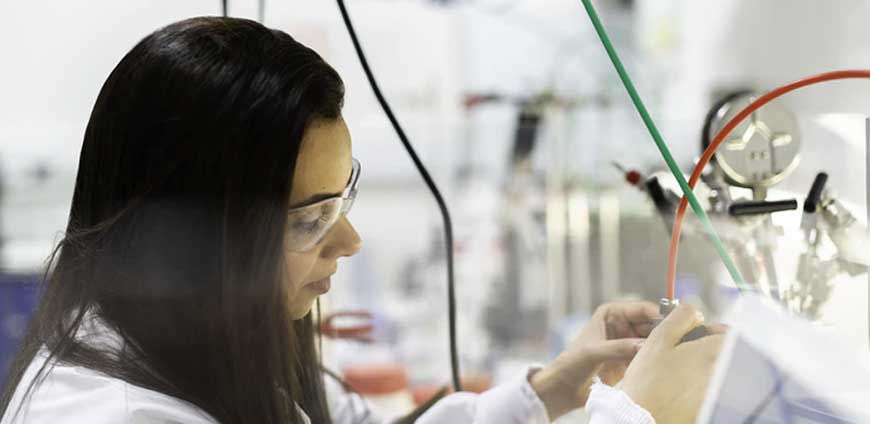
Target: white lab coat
71, 394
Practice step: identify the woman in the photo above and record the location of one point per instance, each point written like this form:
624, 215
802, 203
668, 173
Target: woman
209, 212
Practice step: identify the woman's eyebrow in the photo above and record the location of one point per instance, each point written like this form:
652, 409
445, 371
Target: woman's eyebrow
314, 198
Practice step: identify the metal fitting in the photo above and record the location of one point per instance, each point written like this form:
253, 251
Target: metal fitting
666, 306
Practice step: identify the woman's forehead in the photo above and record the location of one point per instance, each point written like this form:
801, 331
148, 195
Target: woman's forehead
324, 162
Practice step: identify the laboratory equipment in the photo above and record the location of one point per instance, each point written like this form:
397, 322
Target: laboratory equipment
826, 217
771, 155
430, 183
709, 151
760, 154
761, 151
351, 325
685, 186
666, 306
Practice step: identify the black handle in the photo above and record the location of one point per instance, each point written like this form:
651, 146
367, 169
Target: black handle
657, 194
815, 195
761, 207
662, 202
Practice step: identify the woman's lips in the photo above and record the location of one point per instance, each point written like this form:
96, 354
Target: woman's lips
320, 286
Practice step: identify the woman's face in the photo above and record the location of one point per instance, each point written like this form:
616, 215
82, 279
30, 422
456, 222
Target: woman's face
322, 170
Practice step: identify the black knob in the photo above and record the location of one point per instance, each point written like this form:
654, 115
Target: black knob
815, 195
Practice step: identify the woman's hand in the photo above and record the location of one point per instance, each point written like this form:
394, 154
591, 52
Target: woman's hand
668, 378
603, 347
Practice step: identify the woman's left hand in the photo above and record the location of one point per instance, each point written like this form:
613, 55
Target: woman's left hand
604, 347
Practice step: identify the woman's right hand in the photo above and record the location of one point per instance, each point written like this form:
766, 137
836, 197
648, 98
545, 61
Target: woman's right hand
668, 378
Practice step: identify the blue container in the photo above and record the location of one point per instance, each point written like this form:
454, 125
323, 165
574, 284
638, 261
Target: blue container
18, 300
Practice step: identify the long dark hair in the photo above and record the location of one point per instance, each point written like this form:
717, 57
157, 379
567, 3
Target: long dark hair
177, 224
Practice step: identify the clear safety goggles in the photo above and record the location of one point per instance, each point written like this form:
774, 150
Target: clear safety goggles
308, 225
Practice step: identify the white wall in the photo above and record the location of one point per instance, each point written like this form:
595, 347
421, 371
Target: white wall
765, 44
57, 55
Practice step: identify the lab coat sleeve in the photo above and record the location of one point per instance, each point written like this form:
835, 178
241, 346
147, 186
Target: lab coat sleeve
347, 407
517, 402
514, 402
607, 405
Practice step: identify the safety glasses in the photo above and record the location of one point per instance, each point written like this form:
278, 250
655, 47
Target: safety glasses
308, 225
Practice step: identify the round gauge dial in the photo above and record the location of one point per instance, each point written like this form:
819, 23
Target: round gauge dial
762, 150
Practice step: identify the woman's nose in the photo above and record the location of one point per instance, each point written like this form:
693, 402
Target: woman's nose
345, 241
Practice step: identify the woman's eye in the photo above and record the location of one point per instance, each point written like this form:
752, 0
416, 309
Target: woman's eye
306, 225
309, 225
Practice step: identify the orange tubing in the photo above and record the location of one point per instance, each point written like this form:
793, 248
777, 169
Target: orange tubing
717, 141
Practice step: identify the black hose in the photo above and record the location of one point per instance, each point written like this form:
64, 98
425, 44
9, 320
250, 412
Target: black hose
445, 214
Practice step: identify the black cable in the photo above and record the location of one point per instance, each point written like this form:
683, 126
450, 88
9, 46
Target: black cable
442, 206
224, 7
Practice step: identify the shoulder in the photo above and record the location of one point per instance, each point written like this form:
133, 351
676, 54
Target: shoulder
77, 394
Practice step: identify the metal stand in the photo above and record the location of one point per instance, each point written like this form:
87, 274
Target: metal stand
867, 206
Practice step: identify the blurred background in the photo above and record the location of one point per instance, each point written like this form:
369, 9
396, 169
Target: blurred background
518, 113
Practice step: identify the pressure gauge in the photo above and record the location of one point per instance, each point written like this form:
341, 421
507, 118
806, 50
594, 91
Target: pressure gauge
762, 150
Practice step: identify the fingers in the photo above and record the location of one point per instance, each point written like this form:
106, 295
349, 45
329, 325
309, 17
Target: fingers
642, 329
613, 350
636, 312
712, 345
706, 348
717, 328
612, 372
629, 319
679, 322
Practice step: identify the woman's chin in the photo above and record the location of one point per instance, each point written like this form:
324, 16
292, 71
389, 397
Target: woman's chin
298, 313
301, 308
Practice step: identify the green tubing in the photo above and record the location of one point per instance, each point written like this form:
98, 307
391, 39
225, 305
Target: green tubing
663, 148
